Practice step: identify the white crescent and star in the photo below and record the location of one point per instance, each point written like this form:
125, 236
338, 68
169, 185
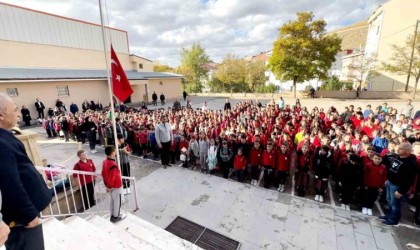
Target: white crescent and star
118, 77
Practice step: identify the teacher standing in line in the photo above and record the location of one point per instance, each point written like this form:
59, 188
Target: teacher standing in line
164, 138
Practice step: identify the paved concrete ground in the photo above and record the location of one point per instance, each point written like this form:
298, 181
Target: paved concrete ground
217, 102
257, 217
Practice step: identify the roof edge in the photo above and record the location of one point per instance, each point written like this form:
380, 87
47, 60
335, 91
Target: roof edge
141, 57
55, 15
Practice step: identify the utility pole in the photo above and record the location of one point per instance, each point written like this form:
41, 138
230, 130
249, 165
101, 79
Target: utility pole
412, 55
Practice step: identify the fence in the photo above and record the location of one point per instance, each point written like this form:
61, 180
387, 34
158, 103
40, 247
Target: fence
69, 198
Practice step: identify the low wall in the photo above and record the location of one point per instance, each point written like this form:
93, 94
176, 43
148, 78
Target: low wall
253, 95
364, 94
29, 140
318, 94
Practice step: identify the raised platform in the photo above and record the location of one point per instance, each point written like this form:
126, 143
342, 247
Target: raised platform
96, 232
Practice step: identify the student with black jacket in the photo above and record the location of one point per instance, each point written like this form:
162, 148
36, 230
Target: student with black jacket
350, 179
322, 168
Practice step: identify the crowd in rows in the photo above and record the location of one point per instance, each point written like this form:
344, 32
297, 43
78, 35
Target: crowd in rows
363, 152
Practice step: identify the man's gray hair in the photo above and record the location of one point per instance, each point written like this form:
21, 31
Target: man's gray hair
3, 100
406, 146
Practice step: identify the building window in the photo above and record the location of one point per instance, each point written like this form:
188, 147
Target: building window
63, 91
12, 92
140, 65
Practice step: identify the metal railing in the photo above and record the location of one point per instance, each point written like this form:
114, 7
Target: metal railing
69, 197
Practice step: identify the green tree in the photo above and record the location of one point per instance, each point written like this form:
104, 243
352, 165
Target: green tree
401, 57
232, 73
255, 75
303, 51
270, 88
333, 83
215, 84
192, 61
157, 67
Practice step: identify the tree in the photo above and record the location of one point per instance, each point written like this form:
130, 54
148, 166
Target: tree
401, 57
215, 84
361, 69
192, 61
255, 74
270, 88
157, 67
333, 83
303, 51
232, 72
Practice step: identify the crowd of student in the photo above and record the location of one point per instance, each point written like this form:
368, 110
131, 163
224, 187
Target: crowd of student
355, 149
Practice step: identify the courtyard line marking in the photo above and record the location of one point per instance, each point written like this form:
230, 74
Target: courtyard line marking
408, 226
261, 176
381, 212
56, 142
141, 157
331, 194
71, 157
147, 159
293, 186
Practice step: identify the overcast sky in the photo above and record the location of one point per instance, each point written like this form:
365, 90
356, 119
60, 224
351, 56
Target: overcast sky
158, 29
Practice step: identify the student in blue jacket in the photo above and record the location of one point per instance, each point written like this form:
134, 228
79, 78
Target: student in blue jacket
380, 142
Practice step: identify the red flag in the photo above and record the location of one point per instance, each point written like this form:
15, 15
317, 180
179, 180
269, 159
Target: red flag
120, 84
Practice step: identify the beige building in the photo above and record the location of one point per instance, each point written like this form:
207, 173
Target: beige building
47, 56
390, 24
347, 73
353, 40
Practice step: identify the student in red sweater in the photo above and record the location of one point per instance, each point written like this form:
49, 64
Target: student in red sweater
87, 182
173, 151
283, 161
374, 182
367, 155
267, 162
143, 140
254, 160
239, 165
112, 180
136, 143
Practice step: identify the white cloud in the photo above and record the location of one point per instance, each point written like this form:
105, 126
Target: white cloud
158, 29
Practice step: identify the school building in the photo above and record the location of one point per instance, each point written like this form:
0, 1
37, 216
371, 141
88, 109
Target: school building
46, 56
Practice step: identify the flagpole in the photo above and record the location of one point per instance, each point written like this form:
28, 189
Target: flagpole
114, 125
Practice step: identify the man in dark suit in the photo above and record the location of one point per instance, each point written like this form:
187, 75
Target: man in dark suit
227, 105
26, 115
154, 98
40, 108
24, 191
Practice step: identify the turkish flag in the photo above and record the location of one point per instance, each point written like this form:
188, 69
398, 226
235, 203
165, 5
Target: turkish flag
120, 84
